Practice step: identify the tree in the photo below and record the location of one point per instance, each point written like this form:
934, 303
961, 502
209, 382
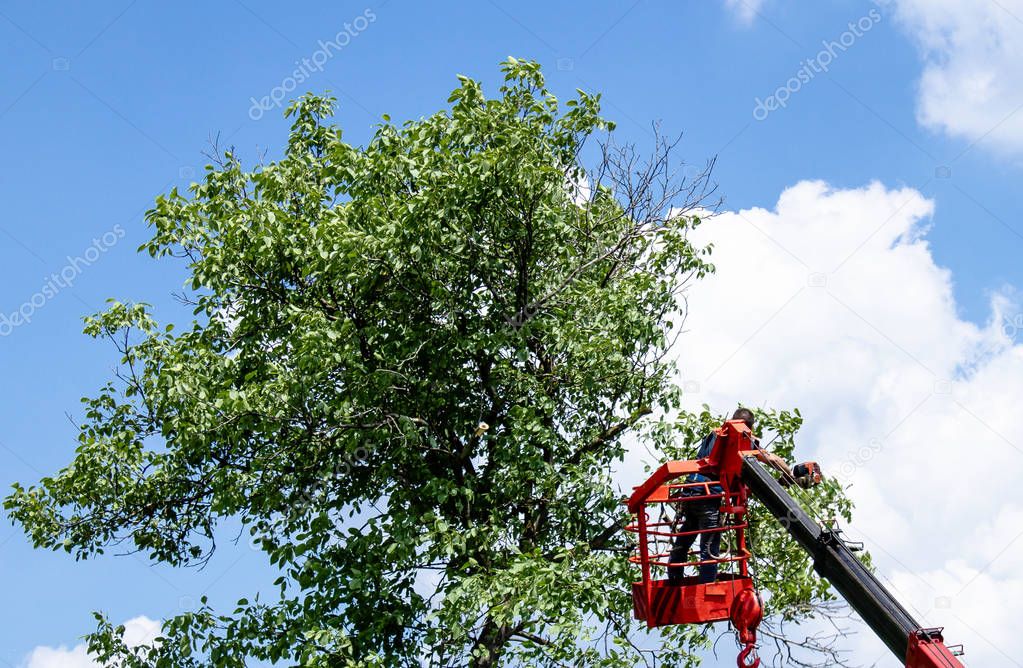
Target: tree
410, 373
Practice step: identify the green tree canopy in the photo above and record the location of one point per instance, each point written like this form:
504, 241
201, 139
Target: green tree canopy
410, 373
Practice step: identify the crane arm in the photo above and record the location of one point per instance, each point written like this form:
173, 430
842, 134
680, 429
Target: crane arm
832, 558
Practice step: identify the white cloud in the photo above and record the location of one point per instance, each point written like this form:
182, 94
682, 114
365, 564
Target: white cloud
137, 631
59, 657
972, 82
832, 302
744, 10
580, 190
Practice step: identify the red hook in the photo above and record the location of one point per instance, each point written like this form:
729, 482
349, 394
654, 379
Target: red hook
747, 613
744, 656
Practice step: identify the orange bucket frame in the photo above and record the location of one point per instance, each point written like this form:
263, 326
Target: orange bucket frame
732, 595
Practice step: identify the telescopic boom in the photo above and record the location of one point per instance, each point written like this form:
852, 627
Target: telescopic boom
832, 558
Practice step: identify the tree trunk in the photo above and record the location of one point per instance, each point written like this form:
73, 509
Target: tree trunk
492, 641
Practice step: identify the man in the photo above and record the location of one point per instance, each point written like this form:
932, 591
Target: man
704, 514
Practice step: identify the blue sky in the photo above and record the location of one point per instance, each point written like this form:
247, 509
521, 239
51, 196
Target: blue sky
104, 105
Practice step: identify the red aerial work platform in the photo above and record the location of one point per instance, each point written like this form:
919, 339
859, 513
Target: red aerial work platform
733, 469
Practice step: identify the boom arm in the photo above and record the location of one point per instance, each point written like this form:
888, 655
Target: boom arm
832, 559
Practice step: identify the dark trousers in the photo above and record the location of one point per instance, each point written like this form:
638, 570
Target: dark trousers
699, 515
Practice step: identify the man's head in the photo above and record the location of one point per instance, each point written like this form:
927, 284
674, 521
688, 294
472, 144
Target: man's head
746, 415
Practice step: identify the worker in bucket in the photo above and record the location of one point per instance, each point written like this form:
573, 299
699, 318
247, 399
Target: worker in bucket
705, 514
